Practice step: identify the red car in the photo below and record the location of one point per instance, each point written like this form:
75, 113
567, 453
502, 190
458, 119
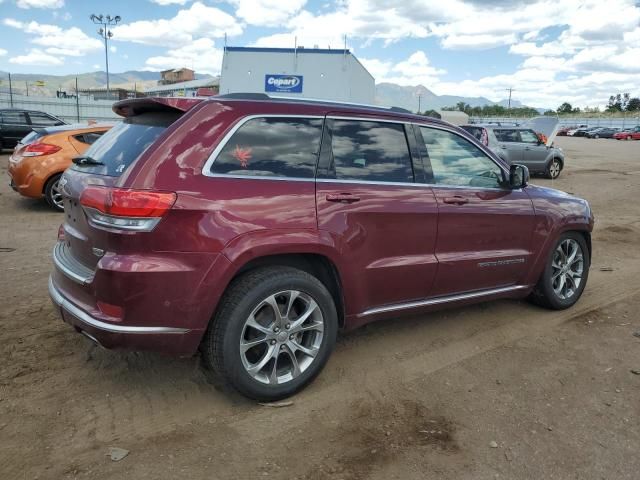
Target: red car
254, 229
630, 134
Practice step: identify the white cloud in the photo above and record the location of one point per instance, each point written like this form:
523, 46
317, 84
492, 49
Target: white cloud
36, 57
40, 3
197, 21
267, 13
113, 49
201, 55
58, 41
3, 52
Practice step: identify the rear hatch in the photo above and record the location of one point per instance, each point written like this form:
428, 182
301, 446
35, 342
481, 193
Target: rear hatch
102, 165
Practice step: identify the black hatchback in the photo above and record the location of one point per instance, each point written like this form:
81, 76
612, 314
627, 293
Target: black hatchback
15, 124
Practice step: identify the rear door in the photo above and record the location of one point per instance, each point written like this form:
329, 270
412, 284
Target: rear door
534, 153
380, 219
14, 127
484, 227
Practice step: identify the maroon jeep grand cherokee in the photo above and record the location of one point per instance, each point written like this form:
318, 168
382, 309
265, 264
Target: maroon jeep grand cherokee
254, 229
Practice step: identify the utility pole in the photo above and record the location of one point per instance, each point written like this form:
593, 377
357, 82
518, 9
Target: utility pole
419, 101
10, 91
104, 31
510, 90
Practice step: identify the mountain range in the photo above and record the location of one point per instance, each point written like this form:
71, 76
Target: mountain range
388, 94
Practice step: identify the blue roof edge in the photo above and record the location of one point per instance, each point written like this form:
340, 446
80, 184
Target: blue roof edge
340, 51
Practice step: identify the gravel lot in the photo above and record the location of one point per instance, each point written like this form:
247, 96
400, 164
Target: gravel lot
498, 390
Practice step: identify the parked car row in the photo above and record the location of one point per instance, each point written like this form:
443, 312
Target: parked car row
256, 244
632, 133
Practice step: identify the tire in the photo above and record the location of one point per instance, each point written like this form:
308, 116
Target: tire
554, 167
596, 136
52, 195
272, 343
546, 292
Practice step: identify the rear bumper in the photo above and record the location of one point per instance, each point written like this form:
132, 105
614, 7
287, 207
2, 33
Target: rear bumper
171, 340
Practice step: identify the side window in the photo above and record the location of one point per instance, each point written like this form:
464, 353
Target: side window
273, 147
14, 118
42, 119
370, 151
507, 135
456, 161
527, 136
89, 138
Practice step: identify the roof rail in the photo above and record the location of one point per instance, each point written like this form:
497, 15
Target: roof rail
264, 96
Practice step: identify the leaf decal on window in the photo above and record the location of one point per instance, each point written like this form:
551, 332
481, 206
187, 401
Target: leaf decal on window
243, 155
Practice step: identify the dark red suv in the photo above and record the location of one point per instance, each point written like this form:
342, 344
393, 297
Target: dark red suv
254, 229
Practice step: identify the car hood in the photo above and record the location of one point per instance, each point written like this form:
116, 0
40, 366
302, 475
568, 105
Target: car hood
548, 126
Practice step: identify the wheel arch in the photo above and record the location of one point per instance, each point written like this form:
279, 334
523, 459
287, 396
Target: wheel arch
316, 264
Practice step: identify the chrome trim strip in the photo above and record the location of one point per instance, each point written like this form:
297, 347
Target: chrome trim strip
206, 169
372, 182
84, 317
81, 275
260, 177
440, 300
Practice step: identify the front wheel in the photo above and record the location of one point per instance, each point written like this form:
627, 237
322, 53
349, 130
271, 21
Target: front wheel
565, 274
273, 332
553, 169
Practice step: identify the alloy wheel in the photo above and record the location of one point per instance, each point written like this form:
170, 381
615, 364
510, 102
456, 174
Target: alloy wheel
281, 337
56, 195
567, 268
554, 169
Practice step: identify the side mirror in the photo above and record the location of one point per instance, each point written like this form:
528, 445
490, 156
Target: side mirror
518, 176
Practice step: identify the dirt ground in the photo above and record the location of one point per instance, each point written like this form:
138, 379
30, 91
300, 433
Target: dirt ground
412, 398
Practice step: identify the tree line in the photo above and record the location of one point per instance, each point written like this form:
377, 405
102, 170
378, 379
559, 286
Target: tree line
620, 102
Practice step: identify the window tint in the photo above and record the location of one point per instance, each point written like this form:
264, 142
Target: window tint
456, 161
43, 120
372, 151
89, 138
14, 118
528, 136
124, 143
276, 147
507, 135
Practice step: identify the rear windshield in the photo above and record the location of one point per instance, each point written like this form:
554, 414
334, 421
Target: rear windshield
32, 137
118, 148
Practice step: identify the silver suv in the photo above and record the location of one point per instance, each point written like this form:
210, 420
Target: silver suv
520, 145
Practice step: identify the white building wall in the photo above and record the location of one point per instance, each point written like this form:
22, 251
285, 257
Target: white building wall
328, 76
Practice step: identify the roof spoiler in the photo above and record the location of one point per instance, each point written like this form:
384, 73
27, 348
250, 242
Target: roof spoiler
136, 106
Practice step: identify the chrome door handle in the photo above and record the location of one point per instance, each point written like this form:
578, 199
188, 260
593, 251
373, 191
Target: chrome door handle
455, 200
342, 198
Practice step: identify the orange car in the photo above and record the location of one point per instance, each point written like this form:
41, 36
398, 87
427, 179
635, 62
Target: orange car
40, 158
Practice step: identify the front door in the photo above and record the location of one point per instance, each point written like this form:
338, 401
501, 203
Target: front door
382, 222
535, 153
510, 148
484, 227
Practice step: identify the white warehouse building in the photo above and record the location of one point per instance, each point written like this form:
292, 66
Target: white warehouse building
316, 73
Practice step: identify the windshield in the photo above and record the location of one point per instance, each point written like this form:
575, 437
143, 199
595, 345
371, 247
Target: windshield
118, 148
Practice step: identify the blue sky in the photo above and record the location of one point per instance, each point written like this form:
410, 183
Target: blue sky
549, 51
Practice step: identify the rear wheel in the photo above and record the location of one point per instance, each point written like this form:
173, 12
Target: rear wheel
52, 193
273, 332
565, 274
553, 169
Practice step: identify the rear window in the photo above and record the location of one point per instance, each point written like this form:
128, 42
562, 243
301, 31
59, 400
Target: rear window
118, 148
14, 118
272, 147
32, 137
370, 151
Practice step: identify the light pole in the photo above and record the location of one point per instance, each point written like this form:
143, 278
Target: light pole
104, 31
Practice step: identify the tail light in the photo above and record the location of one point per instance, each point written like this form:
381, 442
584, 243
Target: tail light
39, 149
125, 209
